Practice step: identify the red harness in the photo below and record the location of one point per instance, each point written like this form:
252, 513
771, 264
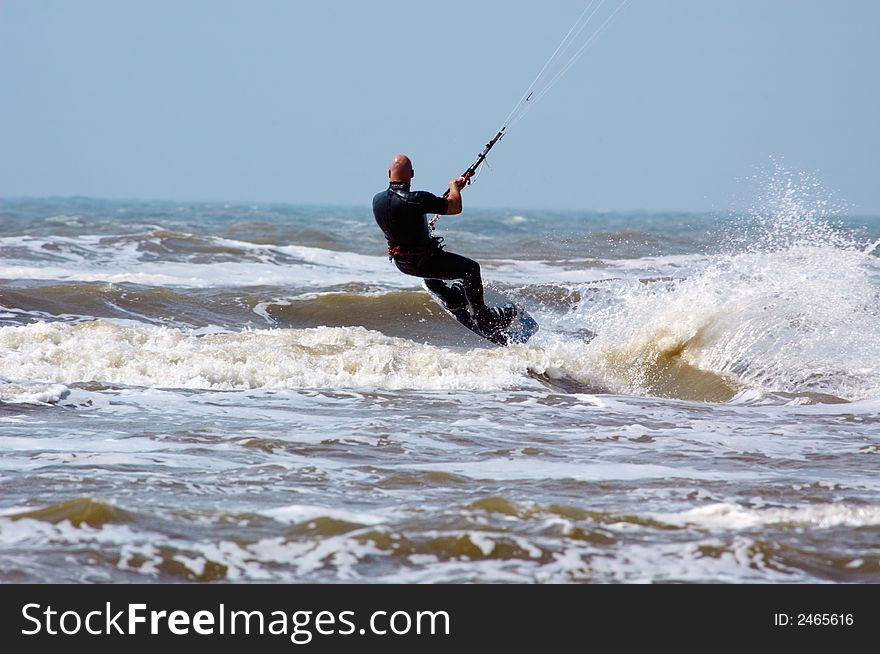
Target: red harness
398, 251
403, 251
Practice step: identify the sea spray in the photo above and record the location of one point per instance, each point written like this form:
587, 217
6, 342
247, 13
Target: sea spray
793, 310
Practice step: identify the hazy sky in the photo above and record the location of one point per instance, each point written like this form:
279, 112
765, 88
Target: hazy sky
672, 107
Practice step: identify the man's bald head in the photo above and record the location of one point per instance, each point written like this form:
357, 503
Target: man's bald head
401, 169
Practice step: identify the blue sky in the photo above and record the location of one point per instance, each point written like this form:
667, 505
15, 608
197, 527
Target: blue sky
674, 107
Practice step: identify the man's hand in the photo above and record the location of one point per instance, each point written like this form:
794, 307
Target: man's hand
457, 184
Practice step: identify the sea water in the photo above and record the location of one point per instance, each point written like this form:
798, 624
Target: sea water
253, 392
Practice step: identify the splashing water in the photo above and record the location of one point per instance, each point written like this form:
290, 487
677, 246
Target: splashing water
792, 307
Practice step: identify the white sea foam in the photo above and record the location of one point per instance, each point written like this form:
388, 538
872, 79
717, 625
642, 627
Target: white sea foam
31, 393
343, 557
102, 259
513, 469
353, 357
296, 513
97, 259
321, 357
207, 275
736, 517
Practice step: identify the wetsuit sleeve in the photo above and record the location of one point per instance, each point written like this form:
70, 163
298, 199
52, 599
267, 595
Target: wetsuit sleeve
430, 203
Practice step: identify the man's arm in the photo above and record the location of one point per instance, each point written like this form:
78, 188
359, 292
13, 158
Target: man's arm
454, 197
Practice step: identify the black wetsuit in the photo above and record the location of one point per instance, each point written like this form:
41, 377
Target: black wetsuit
402, 215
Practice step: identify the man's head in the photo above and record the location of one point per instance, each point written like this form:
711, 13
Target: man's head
401, 169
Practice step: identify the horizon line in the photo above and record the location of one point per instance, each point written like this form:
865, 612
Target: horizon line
366, 205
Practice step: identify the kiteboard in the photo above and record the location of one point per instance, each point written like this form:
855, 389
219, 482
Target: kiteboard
519, 330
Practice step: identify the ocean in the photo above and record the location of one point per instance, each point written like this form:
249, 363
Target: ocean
210, 392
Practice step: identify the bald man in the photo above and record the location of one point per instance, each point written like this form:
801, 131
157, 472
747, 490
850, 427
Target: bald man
402, 214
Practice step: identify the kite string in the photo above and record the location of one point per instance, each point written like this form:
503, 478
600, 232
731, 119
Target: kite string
565, 46
539, 87
562, 45
581, 50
